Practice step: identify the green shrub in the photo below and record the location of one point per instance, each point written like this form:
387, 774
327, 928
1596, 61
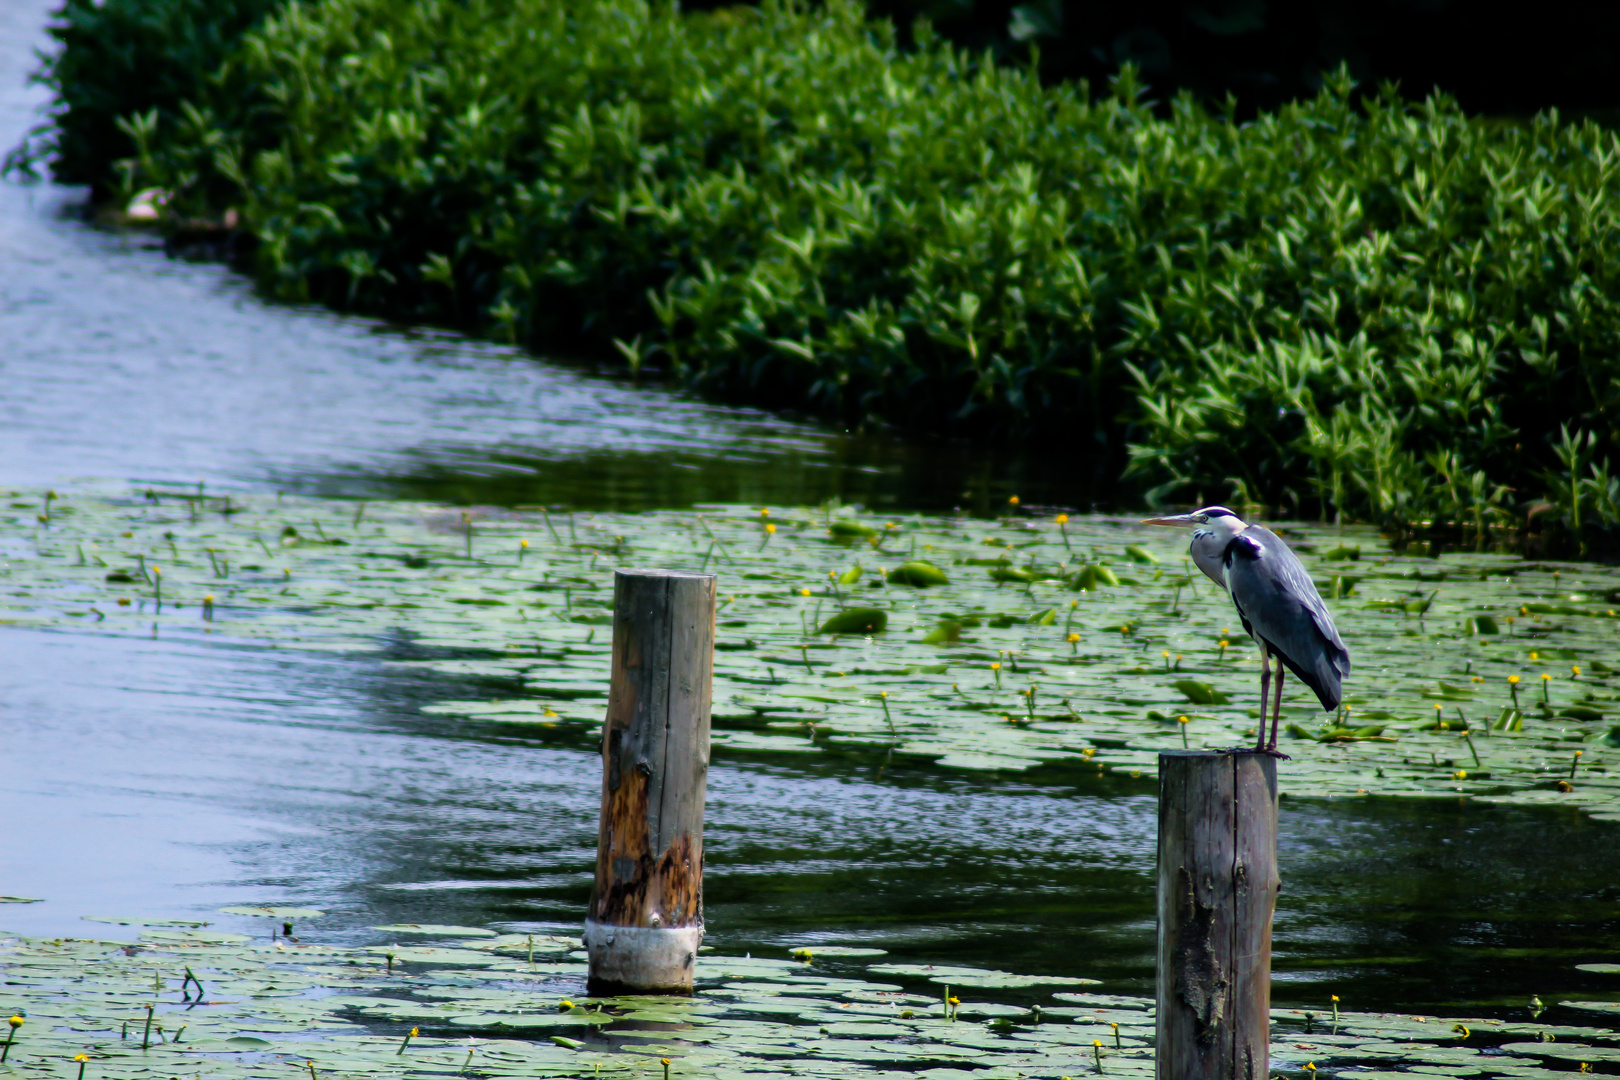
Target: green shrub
118, 59
1362, 306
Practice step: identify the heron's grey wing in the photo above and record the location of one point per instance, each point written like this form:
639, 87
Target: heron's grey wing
1298, 582
1275, 596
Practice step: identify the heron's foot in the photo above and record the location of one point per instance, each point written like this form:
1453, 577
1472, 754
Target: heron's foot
1272, 751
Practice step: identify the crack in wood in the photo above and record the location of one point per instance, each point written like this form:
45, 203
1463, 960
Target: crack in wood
1200, 982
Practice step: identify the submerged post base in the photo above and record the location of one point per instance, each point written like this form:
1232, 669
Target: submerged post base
641, 959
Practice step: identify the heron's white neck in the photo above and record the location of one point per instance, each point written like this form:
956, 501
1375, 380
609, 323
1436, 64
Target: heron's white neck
1209, 542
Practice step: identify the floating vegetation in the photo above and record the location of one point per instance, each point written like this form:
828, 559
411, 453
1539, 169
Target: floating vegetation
258, 1011
1084, 662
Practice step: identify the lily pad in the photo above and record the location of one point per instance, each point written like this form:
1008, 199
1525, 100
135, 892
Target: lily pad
918, 574
200, 937
1200, 693
1093, 577
194, 924
861, 620
844, 529
274, 912
436, 930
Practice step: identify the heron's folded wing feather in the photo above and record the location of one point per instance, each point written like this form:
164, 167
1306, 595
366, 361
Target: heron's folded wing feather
1273, 591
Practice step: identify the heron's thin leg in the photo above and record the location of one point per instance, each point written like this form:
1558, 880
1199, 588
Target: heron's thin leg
1265, 693
1276, 712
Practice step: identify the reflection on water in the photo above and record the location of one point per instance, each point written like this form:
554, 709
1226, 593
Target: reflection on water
121, 364
171, 777
176, 776
883, 473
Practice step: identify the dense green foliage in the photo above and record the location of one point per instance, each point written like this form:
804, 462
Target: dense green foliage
119, 58
1359, 306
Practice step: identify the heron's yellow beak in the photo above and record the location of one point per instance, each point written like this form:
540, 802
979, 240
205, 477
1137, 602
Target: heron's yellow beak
1179, 519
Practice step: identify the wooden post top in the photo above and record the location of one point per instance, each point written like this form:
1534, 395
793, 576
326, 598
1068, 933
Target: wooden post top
1248, 752
656, 573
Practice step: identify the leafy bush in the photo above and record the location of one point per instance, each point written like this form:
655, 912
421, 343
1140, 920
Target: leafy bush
121, 58
1369, 307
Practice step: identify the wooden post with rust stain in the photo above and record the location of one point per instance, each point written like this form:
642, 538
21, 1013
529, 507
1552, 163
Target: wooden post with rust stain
1218, 887
646, 916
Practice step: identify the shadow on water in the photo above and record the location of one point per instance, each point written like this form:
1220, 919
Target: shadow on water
883, 473
171, 777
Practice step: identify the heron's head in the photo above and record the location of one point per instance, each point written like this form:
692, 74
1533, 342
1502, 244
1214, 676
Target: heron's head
1213, 519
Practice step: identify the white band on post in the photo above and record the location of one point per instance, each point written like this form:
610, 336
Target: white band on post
642, 958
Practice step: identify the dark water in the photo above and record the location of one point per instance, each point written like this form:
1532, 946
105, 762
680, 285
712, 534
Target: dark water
172, 777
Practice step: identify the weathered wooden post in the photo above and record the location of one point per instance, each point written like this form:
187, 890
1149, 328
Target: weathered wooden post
646, 916
1218, 886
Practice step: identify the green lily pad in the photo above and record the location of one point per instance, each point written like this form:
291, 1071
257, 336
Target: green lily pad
200, 937
1200, 693
274, 912
862, 620
194, 924
436, 930
921, 575
1093, 577
427, 955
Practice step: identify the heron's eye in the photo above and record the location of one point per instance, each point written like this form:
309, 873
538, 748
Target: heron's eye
1203, 519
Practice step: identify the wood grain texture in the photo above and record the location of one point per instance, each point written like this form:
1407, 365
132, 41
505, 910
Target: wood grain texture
1217, 888
655, 753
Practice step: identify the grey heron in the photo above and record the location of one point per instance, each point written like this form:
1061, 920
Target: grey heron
1277, 601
